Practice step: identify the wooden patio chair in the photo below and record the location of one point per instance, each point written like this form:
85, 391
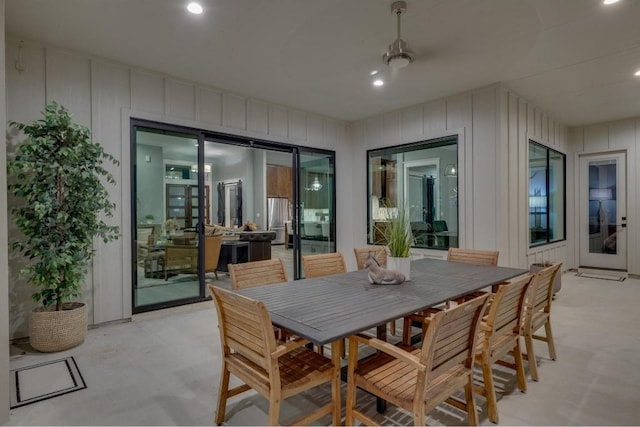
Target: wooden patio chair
323, 264
380, 253
500, 335
469, 256
419, 379
275, 371
538, 314
257, 273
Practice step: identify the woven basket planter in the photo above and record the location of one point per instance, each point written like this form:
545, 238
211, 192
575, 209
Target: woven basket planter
51, 330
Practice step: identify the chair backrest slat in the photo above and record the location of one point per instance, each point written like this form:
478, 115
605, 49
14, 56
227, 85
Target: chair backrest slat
507, 309
473, 256
323, 264
257, 273
379, 252
245, 327
543, 293
451, 336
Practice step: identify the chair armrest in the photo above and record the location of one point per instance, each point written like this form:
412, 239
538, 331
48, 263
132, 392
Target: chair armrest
391, 350
289, 346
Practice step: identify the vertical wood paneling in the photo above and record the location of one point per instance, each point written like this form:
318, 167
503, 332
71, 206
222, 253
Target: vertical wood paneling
576, 136
374, 133
147, 92
411, 124
435, 117
298, 126
257, 116
524, 114
458, 112
68, 83
512, 181
622, 134
331, 140
545, 129
181, 99
483, 186
110, 93
26, 90
209, 106
234, 113
278, 121
596, 138
391, 128
315, 130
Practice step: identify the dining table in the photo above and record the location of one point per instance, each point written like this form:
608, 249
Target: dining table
327, 309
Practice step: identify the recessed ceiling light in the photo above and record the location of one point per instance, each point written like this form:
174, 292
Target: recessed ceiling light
374, 72
195, 8
637, 73
608, 2
378, 82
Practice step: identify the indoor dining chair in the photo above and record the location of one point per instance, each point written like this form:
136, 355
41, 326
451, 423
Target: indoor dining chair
419, 379
274, 370
538, 314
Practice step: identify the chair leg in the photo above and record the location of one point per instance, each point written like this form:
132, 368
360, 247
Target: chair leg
222, 394
490, 391
274, 407
350, 404
406, 331
216, 273
531, 357
472, 412
517, 354
337, 347
550, 343
392, 327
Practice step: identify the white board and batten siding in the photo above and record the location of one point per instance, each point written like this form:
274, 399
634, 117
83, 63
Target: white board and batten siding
493, 125
616, 136
104, 95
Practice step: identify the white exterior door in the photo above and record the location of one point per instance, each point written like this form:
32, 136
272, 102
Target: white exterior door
603, 211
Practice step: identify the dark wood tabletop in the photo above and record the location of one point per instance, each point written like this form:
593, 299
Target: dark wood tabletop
328, 308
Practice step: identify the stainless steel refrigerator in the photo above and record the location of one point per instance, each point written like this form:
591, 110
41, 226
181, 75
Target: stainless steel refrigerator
277, 214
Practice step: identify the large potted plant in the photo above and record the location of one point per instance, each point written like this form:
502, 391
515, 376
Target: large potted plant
399, 239
58, 173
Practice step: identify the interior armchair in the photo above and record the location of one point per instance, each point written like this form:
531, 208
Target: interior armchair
185, 257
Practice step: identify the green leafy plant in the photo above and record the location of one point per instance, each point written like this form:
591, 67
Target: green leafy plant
58, 173
397, 233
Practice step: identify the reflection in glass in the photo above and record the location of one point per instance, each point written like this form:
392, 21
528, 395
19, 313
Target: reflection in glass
424, 178
602, 207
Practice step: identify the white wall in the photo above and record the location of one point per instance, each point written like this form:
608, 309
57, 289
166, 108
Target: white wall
104, 95
493, 125
621, 135
4, 285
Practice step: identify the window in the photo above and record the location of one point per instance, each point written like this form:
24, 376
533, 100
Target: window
546, 194
421, 177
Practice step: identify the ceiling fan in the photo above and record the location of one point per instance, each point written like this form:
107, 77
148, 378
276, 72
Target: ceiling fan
398, 55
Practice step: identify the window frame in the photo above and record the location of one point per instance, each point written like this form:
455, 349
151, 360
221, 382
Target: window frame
455, 138
548, 151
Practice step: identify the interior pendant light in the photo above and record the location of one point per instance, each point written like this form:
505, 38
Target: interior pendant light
398, 55
316, 186
451, 170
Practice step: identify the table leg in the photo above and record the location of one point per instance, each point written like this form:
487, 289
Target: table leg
335, 388
381, 333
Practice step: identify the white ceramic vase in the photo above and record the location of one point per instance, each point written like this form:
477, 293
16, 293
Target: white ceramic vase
403, 265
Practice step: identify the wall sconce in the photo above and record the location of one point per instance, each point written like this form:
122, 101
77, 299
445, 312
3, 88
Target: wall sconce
451, 170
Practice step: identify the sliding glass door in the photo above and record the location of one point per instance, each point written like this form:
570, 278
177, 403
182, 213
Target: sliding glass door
316, 203
170, 197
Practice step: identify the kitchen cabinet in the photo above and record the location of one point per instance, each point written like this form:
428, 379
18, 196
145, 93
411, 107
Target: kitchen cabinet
279, 181
384, 183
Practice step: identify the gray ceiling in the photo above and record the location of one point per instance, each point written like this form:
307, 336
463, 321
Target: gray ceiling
572, 58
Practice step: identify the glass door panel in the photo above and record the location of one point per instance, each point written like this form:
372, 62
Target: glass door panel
316, 203
165, 201
603, 211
